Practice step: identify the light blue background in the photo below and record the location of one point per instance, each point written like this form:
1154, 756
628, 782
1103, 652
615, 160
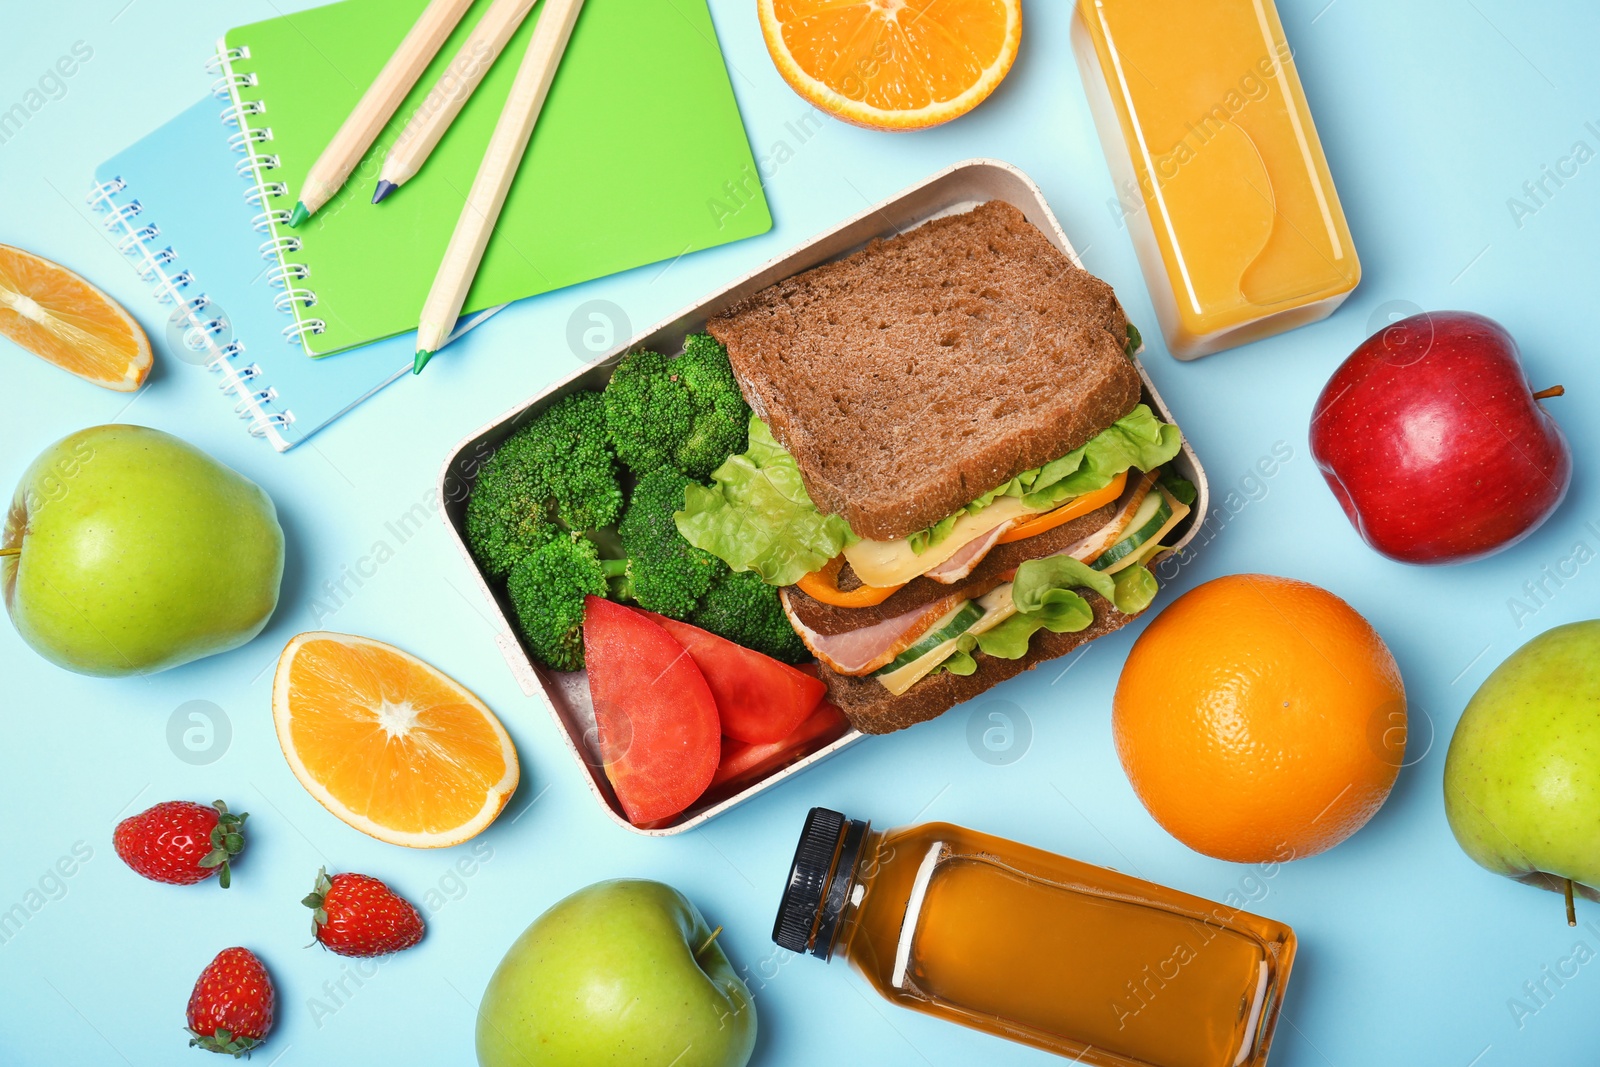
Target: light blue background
1432, 114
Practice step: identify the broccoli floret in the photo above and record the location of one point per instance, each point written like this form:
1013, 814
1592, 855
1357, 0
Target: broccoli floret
661, 572
554, 475
746, 610
685, 413
666, 573
721, 417
648, 411
583, 478
547, 588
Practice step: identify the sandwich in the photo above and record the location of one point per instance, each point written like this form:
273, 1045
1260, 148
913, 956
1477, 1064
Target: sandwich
952, 474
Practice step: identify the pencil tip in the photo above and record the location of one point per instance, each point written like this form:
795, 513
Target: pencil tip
299, 215
420, 362
384, 189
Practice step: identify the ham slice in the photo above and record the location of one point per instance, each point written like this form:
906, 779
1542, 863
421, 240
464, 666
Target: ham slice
863, 651
962, 563
1089, 549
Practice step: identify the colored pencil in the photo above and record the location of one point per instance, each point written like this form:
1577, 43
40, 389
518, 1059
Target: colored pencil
377, 106
450, 93
495, 175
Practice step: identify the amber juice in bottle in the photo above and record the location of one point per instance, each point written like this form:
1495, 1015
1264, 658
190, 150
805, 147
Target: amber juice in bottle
1017, 942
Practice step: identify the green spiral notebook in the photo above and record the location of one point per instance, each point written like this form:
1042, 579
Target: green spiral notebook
631, 163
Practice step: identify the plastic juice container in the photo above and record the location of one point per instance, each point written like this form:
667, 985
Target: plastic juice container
1023, 944
1220, 176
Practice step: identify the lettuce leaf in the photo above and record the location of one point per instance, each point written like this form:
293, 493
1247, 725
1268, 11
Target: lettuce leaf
757, 515
1138, 439
1180, 487
960, 661
1040, 585
1044, 593
1136, 588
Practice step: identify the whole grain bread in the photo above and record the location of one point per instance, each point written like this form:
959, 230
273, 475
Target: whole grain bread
924, 370
1002, 559
872, 709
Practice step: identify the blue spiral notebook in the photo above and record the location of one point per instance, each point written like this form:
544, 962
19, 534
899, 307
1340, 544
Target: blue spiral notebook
191, 225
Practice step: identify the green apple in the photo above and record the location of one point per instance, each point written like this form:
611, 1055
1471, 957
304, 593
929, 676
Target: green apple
127, 550
623, 972
1522, 779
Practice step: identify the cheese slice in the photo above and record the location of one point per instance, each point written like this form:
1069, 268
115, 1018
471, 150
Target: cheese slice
883, 563
1179, 510
998, 607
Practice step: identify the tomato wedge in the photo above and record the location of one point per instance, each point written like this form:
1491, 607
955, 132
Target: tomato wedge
654, 713
759, 700
823, 585
1075, 508
747, 764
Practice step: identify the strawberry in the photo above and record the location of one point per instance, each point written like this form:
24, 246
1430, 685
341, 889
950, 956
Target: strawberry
357, 915
180, 842
230, 1009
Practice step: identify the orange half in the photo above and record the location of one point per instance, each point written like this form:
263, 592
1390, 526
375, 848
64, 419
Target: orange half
389, 744
61, 318
893, 64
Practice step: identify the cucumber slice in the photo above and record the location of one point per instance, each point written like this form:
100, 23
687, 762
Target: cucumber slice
1146, 523
955, 625
997, 608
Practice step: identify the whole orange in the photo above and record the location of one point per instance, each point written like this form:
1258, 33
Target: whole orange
1260, 719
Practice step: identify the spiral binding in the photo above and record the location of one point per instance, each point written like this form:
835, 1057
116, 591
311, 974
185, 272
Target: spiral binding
280, 276
249, 135
256, 159
257, 195
218, 62
286, 300
264, 221
277, 246
100, 196
232, 114
138, 237
154, 265
253, 164
153, 261
231, 83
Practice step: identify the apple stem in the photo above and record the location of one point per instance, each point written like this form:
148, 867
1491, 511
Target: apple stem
11, 551
718, 930
1554, 390
1572, 911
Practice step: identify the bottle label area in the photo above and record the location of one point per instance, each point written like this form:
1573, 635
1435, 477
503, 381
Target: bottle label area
1062, 964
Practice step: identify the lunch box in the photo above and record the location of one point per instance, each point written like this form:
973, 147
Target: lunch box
566, 695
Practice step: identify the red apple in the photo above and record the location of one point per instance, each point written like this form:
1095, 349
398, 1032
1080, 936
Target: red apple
1434, 443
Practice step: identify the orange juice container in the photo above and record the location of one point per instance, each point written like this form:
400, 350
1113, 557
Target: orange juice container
1220, 176
1077, 960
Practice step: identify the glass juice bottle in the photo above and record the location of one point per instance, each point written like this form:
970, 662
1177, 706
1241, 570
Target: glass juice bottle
1023, 944
1220, 176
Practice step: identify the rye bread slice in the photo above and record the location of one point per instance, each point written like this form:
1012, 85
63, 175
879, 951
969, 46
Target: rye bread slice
926, 369
872, 709
828, 619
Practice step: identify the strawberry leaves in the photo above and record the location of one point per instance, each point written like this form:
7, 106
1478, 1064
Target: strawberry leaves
227, 841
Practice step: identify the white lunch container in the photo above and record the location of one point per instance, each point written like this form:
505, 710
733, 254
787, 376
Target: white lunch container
953, 190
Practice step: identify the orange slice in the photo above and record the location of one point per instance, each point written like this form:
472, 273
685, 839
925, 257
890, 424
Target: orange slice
60, 317
893, 64
389, 744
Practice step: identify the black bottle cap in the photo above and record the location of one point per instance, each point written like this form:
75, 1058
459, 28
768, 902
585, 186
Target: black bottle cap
808, 879
839, 889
